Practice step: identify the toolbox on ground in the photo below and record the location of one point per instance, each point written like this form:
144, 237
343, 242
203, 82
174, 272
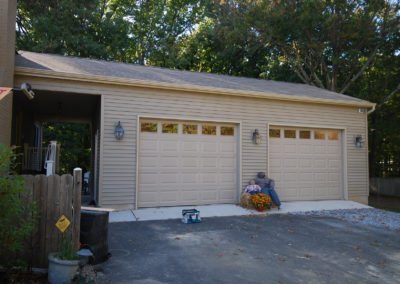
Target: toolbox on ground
191, 216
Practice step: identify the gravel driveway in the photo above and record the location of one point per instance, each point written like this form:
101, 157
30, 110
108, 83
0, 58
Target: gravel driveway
252, 249
370, 217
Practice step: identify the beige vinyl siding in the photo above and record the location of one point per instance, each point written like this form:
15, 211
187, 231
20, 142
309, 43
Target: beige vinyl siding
8, 11
125, 104
5, 118
7, 52
253, 113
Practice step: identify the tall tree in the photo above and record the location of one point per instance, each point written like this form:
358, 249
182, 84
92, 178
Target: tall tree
72, 27
155, 27
224, 43
327, 43
141, 31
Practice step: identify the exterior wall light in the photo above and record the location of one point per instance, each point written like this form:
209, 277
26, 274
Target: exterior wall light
359, 141
256, 137
119, 131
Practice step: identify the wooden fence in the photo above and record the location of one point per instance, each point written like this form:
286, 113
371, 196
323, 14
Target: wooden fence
385, 186
54, 196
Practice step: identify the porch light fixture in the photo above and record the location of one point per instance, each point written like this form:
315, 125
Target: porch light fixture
119, 131
256, 137
359, 141
26, 88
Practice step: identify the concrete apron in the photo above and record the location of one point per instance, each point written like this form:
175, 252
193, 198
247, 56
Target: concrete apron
222, 210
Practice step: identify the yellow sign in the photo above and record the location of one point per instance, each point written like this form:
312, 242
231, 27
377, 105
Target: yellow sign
63, 223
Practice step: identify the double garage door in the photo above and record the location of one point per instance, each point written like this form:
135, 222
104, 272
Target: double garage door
306, 164
187, 163
195, 163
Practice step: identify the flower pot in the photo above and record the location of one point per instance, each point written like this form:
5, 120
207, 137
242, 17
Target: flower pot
260, 209
61, 271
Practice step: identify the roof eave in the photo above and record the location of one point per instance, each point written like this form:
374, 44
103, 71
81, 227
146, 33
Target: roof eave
50, 74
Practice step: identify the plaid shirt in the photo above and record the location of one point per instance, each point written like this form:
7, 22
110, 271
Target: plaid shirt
252, 188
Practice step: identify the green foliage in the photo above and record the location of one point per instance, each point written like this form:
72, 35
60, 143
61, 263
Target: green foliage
66, 250
75, 150
17, 217
72, 27
144, 32
156, 27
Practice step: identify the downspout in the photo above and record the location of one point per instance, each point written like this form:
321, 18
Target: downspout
371, 110
372, 152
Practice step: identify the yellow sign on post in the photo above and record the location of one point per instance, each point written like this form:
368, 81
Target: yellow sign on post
63, 223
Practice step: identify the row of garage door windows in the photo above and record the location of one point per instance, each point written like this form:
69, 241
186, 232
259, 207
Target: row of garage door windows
187, 128
152, 127
303, 134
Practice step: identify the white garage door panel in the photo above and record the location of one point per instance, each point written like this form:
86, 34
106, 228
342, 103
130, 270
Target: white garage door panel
306, 169
187, 169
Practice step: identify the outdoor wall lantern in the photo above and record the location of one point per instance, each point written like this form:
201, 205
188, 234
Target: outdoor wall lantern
359, 141
256, 137
26, 88
119, 131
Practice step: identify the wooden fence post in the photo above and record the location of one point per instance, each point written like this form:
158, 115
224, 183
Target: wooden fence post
76, 206
52, 236
39, 238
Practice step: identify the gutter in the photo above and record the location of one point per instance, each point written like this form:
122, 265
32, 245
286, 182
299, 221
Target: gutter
50, 74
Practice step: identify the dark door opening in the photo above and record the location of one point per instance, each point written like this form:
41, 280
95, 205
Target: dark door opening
71, 119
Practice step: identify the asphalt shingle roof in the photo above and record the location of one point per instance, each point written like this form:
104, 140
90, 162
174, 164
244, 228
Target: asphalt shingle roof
76, 65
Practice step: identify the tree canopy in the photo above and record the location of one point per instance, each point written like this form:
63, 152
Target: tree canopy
346, 46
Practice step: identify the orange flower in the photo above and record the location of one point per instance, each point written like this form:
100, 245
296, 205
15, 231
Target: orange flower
261, 200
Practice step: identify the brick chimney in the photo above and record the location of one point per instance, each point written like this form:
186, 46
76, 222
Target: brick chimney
8, 10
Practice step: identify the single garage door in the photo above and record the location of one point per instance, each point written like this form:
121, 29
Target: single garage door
306, 163
187, 163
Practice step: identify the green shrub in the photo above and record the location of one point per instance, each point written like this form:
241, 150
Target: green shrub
17, 219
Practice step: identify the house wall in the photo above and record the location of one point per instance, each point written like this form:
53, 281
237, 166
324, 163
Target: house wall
125, 104
7, 40
5, 119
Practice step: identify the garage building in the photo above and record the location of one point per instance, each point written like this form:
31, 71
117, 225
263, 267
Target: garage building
195, 138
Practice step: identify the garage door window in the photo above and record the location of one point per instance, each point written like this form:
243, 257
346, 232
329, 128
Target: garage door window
189, 129
227, 131
169, 128
209, 130
305, 134
275, 133
333, 135
319, 135
148, 127
290, 133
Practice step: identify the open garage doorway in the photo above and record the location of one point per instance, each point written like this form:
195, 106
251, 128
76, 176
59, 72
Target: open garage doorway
70, 119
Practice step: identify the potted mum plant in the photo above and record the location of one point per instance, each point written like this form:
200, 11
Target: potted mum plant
63, 264
261, 201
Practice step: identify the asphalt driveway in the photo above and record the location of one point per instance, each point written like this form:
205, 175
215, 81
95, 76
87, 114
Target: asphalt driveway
251, 249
